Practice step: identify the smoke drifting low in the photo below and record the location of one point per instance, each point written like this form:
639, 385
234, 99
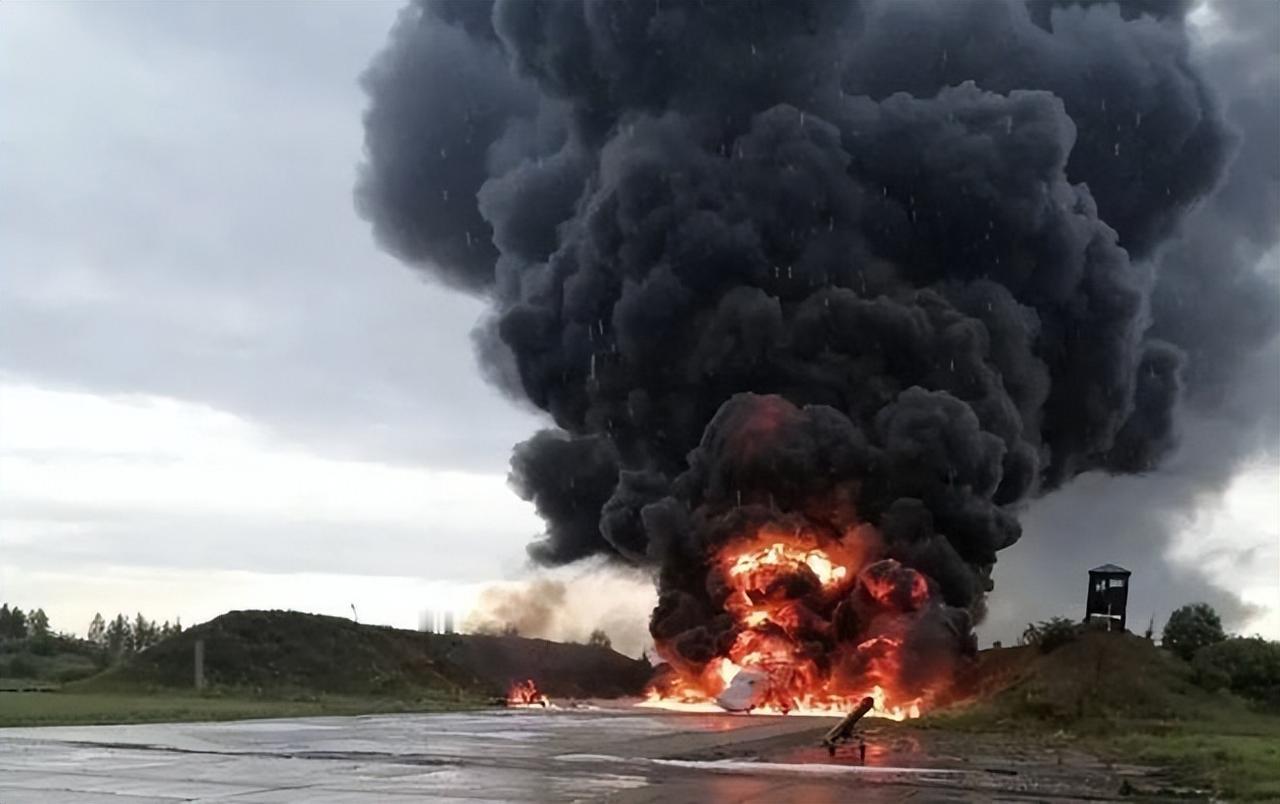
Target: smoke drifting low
529, 609
900, 264
569, 608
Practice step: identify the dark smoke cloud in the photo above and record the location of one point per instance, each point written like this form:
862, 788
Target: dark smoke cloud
568, 480
907, 263
445, 97
1217, 298
1214, 299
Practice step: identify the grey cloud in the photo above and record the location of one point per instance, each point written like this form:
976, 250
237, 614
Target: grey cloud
177, 221
85, 537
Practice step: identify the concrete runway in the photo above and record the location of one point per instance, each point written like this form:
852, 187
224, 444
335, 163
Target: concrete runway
628, 756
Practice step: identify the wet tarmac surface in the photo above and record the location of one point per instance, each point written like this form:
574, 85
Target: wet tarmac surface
627, 756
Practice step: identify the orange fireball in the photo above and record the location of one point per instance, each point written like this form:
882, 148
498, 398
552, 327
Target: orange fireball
783, 589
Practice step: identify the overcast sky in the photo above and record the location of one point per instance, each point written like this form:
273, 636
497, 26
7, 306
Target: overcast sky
216, 393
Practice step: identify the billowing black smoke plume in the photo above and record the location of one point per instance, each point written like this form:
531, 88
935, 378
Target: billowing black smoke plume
811, 262
1217, 298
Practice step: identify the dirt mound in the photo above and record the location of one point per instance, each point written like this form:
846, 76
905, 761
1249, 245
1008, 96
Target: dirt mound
1097, 674
288, 650
558, 669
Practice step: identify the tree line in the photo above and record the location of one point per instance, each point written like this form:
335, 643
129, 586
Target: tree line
124, 637
17, 624
121, 636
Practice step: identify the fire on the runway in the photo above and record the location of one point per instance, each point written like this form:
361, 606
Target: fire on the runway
796, 601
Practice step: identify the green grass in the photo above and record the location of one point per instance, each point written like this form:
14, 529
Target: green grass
1223, 746
1126, 701
1238, 767
65, 660
25, 685
65, 708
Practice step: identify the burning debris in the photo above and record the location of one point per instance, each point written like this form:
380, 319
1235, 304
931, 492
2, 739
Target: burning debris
796, 603
817, 294
525, 693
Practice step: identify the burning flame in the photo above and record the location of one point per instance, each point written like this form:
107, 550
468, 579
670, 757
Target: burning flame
781, 589
778, 554
525, 693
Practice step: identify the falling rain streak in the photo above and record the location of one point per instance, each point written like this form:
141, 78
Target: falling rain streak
872, 281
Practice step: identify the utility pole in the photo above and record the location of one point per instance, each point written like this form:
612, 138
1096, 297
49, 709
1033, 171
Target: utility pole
199, 665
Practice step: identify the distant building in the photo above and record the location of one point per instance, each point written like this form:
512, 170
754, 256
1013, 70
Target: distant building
1108, 596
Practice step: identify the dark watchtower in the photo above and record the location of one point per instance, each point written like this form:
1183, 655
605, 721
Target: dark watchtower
1108, 594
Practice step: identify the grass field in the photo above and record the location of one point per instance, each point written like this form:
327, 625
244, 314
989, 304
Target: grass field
90, 708
1238, 761
1235, 755
1233, 752
26, 685
55, 661
1125, 701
